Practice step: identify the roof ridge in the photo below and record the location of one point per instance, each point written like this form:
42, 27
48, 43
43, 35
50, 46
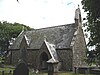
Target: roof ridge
50, 27
55, 26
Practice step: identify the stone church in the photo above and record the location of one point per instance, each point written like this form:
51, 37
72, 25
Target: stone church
64, 44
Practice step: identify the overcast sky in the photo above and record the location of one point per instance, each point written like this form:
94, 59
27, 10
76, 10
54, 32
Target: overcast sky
39, 13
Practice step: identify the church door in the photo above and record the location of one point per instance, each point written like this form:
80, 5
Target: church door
43, 61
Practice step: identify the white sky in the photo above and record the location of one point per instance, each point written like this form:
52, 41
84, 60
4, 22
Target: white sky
38, 13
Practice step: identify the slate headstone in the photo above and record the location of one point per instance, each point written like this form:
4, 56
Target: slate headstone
21, 69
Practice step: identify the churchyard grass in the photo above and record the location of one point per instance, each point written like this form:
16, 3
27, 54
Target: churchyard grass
7, 72
61, 73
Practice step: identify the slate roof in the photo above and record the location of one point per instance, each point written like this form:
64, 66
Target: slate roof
52, 61
52, 51
61, 36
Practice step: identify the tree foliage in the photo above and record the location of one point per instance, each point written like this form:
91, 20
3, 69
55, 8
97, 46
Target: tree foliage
91, 57
92, 7
9, 31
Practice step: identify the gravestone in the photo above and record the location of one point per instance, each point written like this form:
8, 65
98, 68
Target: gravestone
21, 69
52, 67
95, 71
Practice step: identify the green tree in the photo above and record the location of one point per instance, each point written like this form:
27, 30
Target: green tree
92, 7
9, 31
91, 57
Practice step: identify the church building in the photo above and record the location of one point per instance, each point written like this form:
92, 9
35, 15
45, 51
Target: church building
64, 44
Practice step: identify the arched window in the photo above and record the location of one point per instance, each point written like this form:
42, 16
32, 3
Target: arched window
43, 61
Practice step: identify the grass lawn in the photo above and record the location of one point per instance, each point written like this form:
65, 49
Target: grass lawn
61, 73
7, 72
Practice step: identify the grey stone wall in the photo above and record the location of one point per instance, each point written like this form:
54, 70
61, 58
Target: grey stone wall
79, 49
32, 57
15, 57
65, 58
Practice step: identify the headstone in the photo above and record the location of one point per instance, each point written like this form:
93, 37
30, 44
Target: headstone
21, 69
2, 72
95, 71
52, 67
